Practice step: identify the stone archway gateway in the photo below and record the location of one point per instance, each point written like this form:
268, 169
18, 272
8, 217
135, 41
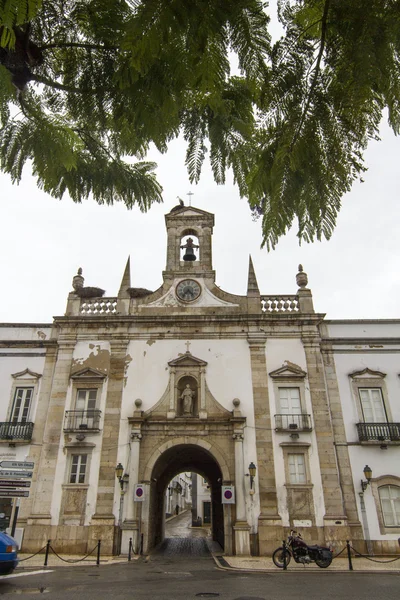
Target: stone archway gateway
185, 457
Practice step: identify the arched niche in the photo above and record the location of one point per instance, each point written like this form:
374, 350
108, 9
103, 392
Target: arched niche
187, 389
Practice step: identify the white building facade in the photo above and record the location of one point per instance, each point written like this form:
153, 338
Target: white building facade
190, 378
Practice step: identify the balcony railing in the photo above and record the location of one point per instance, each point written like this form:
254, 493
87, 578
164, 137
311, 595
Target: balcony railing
378, 432
293, 422
15, 431
82, 420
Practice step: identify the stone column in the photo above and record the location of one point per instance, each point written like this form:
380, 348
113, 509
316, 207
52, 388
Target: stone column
130, 521
241, 526
269, 522
103, 520
335, 521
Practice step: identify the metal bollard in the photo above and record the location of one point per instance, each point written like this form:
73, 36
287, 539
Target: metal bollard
46, 558
98, 553
141, 544
284, 556
130, 549
349, 555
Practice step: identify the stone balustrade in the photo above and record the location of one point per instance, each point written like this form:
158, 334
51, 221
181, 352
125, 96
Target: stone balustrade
280, 304
98, 306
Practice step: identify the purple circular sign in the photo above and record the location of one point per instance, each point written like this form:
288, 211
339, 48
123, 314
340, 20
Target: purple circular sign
228, 494
139, 492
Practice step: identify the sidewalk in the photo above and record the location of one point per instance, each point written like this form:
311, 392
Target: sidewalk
339, 565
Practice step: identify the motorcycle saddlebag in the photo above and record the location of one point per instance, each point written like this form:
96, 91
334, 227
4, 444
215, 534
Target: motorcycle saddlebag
325, 553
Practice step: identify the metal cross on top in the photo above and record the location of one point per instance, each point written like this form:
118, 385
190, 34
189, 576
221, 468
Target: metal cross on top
190, 194
187, 346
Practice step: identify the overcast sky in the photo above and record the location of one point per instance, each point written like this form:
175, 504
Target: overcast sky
355, 275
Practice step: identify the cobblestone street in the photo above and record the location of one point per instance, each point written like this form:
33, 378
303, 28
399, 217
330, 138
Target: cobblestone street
181, 539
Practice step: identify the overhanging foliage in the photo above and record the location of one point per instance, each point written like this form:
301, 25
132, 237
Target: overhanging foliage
87, 86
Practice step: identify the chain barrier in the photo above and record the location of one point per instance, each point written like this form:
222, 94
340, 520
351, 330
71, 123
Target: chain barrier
32, 555
71, 560
373, 559
339, 553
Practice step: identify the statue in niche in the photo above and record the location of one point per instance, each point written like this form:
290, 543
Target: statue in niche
187, 398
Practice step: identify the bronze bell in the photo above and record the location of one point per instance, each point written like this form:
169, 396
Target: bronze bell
189, 250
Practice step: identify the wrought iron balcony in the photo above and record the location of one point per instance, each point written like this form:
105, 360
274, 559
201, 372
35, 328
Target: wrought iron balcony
378, 432
16, 431
82, 420
293, 423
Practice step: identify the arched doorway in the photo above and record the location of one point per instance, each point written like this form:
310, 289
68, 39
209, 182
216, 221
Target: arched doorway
174, 460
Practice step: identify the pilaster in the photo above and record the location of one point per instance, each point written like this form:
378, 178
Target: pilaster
335, 519
104, 516
270, 525
51, 409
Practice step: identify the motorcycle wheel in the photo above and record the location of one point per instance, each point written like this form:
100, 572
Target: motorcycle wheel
278, 555
323, 562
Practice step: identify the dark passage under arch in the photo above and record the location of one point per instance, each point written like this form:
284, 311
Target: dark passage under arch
184, 457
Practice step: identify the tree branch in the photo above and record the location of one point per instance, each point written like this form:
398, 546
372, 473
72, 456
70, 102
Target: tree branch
316, 72
60, 86
76, 45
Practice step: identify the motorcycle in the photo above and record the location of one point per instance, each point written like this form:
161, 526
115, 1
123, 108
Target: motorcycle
301, 552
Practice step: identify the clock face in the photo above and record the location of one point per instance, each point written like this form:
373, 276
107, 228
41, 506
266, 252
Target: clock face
188, 290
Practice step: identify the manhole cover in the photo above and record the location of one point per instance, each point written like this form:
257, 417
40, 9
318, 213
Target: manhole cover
207, 594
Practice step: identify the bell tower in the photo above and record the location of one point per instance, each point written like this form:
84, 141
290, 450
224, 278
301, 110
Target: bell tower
189, 250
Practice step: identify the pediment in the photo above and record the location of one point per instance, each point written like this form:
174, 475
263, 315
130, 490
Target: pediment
187, 360
288, 371
189, 211
27, 374
88, 373
367, 374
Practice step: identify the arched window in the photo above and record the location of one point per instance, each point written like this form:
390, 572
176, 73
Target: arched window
389, 496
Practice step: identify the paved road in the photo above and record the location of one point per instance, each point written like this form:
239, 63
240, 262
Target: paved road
194, 575
165, 577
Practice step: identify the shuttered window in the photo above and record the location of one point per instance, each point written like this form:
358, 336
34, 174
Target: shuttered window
289, 401
297, 468
390, 501
372, 405
22, 404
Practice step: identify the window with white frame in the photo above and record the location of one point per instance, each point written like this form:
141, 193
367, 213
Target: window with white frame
297, 468
389, 496
21, 404
372, 405
86, 399
78, 471
289, 401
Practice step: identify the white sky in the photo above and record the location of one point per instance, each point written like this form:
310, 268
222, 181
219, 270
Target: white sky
43, 241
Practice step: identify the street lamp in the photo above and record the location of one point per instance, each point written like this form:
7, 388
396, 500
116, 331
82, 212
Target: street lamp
368, 477
119, 471
252, 473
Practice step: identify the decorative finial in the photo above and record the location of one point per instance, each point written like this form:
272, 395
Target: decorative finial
190, 194
301, 278
138, 403
78, 280
236, 402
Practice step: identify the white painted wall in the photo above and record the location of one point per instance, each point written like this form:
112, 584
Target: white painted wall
380, 357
